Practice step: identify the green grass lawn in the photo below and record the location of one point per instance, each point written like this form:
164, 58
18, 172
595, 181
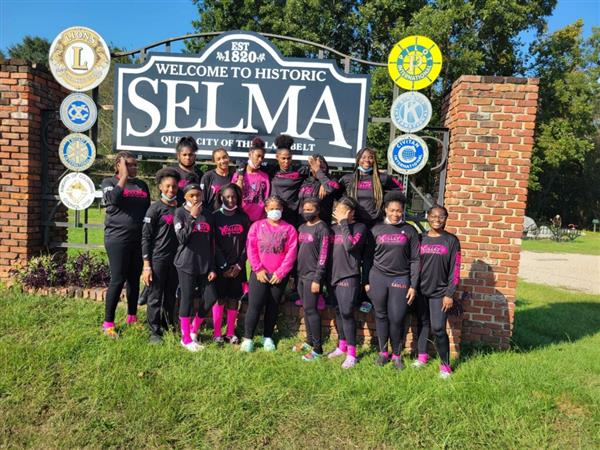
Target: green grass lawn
62, 384
587, 245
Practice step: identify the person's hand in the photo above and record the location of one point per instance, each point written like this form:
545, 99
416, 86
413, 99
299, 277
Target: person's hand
410, 295
314, 164
122, 168
234, 271
275, 279
367, 287
147, 275
315, 288
322, 192
196, 209
339, 216
240, 181
447, 303
261, 276
212, 276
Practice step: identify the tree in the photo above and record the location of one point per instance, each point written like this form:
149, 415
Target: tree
566, 156
33, 49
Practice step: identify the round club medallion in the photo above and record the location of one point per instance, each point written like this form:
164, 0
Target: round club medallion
415, 62
77, 152
408, 154
79, 59
411, 111
76, 191
78, 112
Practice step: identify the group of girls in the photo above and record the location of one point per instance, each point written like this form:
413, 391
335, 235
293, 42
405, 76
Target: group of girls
347, 237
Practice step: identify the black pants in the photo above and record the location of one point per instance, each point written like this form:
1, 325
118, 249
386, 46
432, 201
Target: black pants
161, 300
263, 295
125, 262
192, 287
312, 319
388, 295
430, 314
346, 293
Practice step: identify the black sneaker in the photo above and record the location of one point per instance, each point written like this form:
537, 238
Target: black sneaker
156, 339
382, 359
398, 364
219, 341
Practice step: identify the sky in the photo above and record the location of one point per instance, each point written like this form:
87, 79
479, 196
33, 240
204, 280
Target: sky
132, 24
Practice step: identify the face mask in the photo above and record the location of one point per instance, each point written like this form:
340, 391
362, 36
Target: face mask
168, 199
363, 170
251, 164
391, 223
189, 204
274, 214
309, 216
229, 209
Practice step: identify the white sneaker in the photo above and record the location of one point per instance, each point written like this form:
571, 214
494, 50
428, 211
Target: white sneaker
445, 375
418, 364
195, 337
268, 345
192, 346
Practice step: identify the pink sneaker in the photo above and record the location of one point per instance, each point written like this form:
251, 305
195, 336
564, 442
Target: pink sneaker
349, 362
337, 352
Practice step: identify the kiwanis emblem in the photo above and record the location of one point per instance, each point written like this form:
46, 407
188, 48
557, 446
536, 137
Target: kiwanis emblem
411, 112
415, 62
78, 112
76, 191
77, 152
79, 59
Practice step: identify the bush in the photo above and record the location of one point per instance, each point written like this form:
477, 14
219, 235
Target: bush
81, 270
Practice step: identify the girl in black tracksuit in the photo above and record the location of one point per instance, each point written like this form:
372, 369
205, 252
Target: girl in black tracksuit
231, 231
348, 270
215, 179
186, 164
366, 188
126, 199
194, 260
440, 276
320, 185
159, 245
313, 247
394, 276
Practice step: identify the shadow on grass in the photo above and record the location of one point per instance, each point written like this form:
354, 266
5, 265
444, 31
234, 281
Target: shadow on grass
554, 323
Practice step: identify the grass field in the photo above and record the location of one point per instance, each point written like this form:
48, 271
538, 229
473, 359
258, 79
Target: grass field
587, 245
62, 384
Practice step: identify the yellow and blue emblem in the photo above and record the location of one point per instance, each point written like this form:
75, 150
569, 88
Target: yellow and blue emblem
415, 62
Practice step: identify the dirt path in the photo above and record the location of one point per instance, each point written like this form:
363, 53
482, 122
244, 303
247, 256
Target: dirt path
566, 270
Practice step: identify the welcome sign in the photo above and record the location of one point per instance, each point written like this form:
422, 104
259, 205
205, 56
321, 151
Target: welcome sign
239, 87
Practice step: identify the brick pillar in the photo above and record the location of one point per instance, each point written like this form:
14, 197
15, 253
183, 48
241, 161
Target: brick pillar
26, 91
491, 122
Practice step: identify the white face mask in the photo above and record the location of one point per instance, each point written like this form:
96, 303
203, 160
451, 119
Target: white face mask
274, 214
391, 223
229, 209
168, 199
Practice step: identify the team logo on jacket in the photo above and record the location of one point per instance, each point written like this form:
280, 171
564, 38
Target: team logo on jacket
408, 154
79, 59
77, 152
78, 112
411, 112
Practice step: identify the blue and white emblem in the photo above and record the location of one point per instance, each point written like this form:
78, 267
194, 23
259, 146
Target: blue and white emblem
78, 112
408, 154
411, 112
77, 152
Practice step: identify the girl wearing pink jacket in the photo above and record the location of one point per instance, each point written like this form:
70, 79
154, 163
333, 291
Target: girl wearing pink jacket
272, 245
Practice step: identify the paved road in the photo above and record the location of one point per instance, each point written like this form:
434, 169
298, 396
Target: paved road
566, 270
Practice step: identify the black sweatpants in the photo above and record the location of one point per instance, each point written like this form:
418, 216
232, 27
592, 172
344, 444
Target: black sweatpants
263, 295
312, 318
196, 286
346, 294
125, 263
388, 295
161, 300
430, 315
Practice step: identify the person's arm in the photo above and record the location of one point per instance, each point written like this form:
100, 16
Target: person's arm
323, 253
149, 234
454, 272
212, 262
184, 226
205, 183
367, 257
111, 193
291, 251
349, 240
147, 191
220, 259
329, 184
415, 258
252, 248
241, 261
391, 183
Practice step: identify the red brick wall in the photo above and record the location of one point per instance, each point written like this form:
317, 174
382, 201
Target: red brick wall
491, 122
25, 92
